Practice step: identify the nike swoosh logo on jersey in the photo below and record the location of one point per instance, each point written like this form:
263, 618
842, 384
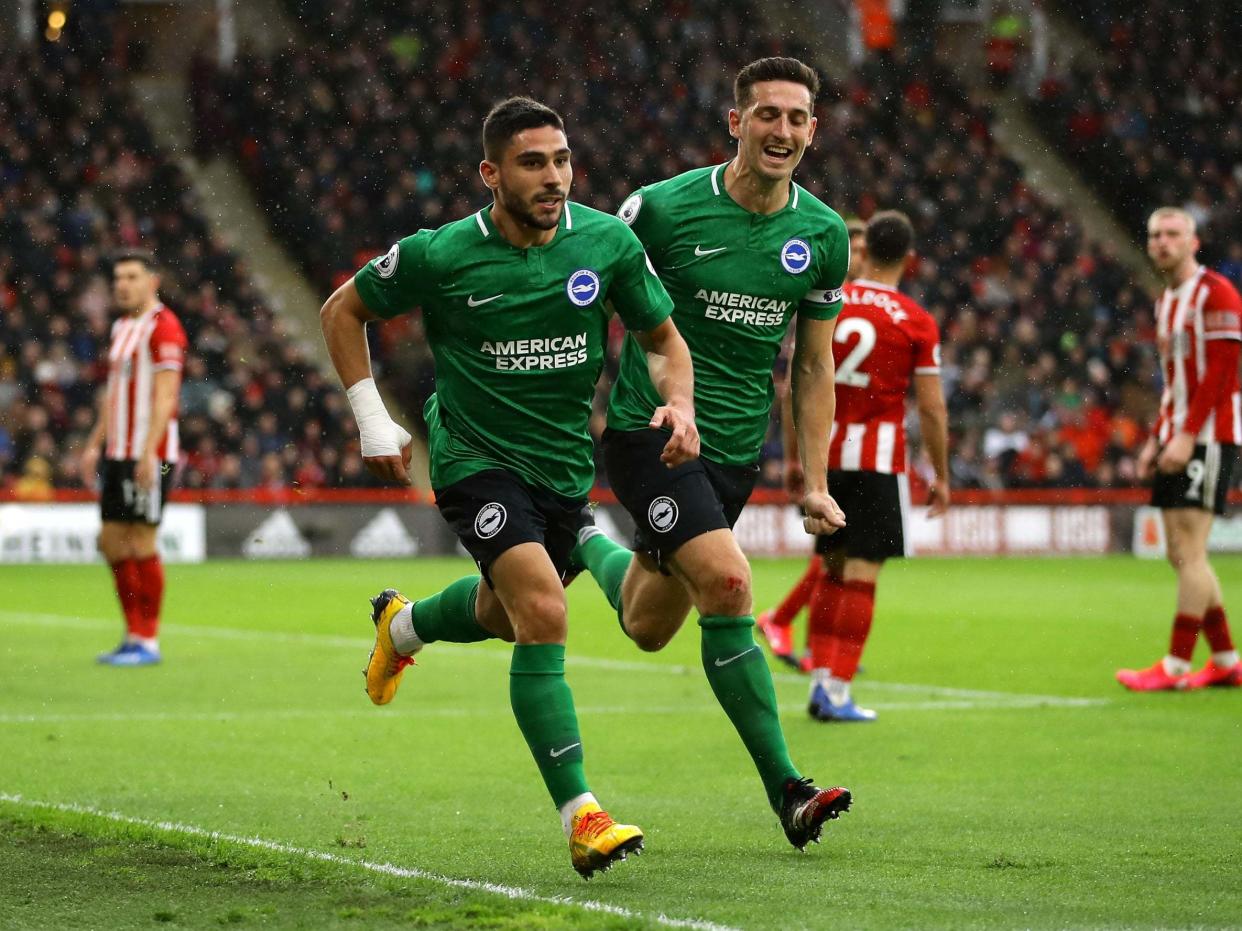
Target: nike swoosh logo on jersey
726, 662
487, 300
561, 752
699, 250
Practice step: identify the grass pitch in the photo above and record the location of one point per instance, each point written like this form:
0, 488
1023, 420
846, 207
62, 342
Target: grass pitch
1009, 782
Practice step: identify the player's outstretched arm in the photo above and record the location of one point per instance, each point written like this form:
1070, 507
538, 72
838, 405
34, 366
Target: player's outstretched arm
386, 446
934, 424
812, 372
672, 373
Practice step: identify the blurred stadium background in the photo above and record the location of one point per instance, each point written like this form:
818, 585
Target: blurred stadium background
266, 149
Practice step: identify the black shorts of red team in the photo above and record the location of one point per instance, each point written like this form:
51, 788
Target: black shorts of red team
122, 501
495, 510
875, 506
672, 506
1204, 483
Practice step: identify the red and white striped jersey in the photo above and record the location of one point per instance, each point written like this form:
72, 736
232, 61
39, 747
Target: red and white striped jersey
1205, 307
882, 340
141, 346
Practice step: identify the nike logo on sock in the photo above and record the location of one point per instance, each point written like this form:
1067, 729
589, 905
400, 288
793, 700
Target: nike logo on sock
699, 250
726, 662
470, 301
561, 752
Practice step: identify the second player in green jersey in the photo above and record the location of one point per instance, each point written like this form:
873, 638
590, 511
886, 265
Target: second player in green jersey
743, 251
737, 279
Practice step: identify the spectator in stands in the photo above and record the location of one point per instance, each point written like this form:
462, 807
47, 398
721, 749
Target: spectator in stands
108, 187
1006, 275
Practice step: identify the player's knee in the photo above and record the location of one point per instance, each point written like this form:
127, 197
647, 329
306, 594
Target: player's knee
539, 616
726, 592
1174, 556
111, 546
650, 638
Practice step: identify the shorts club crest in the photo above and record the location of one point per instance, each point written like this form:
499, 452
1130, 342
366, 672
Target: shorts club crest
490, 520
662, 515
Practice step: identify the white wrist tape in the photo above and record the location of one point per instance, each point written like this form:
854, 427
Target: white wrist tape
380, 434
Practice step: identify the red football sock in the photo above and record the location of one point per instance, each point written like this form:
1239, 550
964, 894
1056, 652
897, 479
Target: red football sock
1185, 633
800, 595
151, 571
1216, 630
128, 590
851, 625
826, 599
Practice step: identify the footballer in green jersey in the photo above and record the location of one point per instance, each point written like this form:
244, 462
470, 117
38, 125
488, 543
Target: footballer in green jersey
743, 252
515, 302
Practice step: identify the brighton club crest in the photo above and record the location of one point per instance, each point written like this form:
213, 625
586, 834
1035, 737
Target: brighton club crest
795, 256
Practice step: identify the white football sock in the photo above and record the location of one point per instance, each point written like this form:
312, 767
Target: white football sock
1175, 666
838, 690
401, 629
570, 807
1225, 659
148, 643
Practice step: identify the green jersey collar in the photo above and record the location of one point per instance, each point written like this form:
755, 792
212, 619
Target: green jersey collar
487, 227
718, 188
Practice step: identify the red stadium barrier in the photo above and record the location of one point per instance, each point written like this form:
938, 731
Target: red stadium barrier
293, 496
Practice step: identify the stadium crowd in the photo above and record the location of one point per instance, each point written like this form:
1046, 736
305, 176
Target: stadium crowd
1152, 115
353, 143
255, 408
1049, 361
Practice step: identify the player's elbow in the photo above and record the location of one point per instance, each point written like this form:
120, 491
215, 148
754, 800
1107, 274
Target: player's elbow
329, 311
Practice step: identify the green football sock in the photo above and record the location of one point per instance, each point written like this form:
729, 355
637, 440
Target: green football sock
544, 708
739, 675
449, 615
607, 561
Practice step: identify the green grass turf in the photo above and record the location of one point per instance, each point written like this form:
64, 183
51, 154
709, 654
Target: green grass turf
971, 810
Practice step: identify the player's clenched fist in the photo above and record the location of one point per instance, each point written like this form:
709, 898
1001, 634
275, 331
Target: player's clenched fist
821, 514
683, 445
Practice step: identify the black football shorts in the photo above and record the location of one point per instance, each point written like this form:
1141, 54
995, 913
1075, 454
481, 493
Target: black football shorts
1204, 483
875, 506
672, 506
495, 510
121, 500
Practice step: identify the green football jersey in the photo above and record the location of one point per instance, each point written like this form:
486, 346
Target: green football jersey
518, 337
736, 278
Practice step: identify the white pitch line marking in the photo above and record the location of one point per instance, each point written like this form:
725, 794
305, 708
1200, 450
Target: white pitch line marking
976, 697
501, 711
388, 869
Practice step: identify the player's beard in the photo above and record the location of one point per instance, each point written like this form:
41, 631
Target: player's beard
126, 307
524, 213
